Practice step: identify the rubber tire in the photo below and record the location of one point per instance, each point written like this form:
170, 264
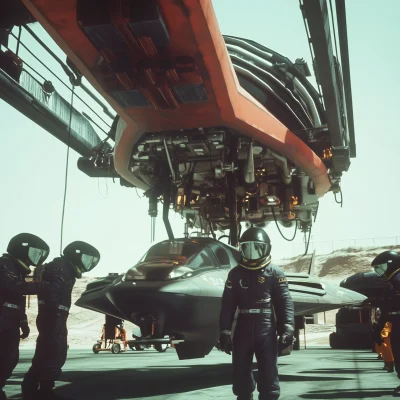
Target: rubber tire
116, 348
159, 347
96, 348
335, 341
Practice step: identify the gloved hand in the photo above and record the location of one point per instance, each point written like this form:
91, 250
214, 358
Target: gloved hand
25, 330
286, 338
225, 342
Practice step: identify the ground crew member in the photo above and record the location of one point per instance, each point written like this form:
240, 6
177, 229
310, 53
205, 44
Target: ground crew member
23, 251
387, 265
265, 308
385, 349
51, 347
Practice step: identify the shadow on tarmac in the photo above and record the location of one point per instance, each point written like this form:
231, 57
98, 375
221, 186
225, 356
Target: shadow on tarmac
347, 394
135, 383
339, 371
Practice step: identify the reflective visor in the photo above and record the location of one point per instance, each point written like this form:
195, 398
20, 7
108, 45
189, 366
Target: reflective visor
254, 250
37, 256
88, 262
381, 269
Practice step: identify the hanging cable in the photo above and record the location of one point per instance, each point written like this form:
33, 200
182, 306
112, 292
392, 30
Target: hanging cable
341, 197
61, 81
335, 193
27, 65
211, 229
140, 197
18, 41
223, 236
98, 188
276, 223
71, 71
66, 168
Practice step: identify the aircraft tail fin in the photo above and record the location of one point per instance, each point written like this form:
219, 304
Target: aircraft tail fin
311, 268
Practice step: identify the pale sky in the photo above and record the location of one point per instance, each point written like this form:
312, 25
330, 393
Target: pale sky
115, 220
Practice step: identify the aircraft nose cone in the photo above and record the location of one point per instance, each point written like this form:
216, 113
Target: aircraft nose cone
350, 297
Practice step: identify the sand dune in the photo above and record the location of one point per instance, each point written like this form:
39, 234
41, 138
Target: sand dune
337, 265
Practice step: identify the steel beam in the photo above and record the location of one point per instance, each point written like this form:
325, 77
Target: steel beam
316, 14
344, 53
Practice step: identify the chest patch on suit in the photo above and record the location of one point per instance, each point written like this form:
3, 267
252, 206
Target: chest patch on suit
243, 284
262, 301
228, 284
261, 279
282, 279
12, 275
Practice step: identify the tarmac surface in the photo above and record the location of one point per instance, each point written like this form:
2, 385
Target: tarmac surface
314, 373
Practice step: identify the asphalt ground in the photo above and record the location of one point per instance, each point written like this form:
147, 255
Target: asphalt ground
314, 373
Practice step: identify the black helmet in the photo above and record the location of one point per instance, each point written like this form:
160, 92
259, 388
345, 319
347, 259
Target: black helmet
29, 249
83, 256
255, 247
387, 264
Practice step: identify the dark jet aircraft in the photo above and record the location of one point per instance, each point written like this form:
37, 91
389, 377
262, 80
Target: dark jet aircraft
370, 284
177, 286
354, 324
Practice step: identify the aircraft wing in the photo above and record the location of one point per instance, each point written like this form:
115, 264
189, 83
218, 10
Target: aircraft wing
369, 284
165, 285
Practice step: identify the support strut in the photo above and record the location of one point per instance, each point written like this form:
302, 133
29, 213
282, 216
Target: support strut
153, 212
167, 202
233, 231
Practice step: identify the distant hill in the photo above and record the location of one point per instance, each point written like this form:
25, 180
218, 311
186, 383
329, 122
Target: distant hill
338, 264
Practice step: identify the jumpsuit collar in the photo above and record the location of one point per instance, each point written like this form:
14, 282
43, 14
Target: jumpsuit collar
264, 264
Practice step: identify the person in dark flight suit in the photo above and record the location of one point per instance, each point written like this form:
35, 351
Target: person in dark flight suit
51, 347
23, 251
265, 309
387, 265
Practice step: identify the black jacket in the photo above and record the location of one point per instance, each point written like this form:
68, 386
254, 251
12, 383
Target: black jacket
13, 288
391, 303
62, 277
264, 288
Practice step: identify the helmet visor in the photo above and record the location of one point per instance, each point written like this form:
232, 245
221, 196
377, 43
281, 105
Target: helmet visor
254, 250
381, 269
88, 262
37, 256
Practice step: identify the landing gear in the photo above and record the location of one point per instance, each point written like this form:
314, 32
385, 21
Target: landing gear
138, 347
161, 348
96, 348
116, 348
113, 337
